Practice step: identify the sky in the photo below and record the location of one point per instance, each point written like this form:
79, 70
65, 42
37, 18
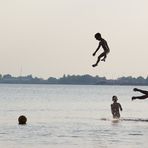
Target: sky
54, 37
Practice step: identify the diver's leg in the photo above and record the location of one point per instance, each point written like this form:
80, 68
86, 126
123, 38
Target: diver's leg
98, 60
140, 97
103, 58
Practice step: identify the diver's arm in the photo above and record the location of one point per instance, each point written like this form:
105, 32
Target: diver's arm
107, 47
140, 90
97, 49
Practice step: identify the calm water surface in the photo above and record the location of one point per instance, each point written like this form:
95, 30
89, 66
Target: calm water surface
71, 116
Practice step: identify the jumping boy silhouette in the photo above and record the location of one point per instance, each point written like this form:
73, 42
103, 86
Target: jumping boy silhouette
105, 47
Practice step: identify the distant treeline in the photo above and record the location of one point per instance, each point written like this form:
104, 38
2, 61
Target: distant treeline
74, 79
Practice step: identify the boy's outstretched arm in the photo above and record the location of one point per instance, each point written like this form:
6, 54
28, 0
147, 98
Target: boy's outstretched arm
97, 49
140, 90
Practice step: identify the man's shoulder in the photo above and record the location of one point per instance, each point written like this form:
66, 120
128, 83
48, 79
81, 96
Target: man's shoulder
103, 41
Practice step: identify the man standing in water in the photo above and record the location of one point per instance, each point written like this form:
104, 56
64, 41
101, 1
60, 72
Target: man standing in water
115, 107
145, 96
105, 47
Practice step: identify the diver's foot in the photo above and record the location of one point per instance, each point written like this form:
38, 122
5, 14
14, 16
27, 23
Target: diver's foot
94, 65
133, 98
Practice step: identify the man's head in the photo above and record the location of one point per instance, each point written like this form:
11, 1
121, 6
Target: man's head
98, 36
114, 98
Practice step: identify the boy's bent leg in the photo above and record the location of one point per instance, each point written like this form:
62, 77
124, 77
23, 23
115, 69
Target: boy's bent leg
94, 65
99, 57
103, 58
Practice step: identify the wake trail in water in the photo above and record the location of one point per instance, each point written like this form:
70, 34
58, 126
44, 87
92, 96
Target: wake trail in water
125, 119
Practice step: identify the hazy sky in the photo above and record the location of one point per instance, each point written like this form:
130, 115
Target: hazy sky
55, 37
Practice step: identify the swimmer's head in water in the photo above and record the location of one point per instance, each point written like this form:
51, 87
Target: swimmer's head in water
22, 119
98, 36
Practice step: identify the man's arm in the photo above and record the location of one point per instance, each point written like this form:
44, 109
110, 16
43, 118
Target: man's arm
97, 49
107, 47
111, 108
140, 90
120, 106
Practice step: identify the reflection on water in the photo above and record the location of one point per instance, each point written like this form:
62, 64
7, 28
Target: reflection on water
61, 116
